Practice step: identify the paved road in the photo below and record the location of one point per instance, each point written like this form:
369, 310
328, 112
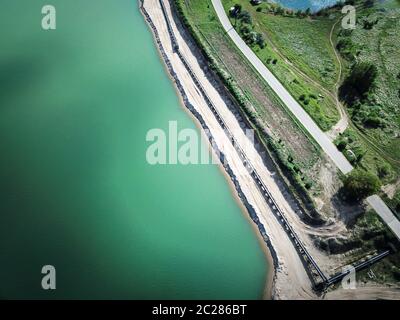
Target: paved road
320, 137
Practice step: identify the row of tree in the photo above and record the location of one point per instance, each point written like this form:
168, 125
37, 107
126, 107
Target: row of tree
250, 36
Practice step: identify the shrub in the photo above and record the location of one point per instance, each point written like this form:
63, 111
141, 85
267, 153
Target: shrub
383, 170
374, 121
368, 24
260, 40
312, 96
369, 3
360, 184
359, 83
341, 145
245, 17
245, 30
396, 200
238, 8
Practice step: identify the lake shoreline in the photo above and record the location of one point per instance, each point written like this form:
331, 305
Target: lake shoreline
238, 195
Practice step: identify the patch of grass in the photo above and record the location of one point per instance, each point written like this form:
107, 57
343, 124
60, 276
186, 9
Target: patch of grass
360, 155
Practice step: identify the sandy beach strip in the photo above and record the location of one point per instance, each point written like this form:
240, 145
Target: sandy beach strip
290, 280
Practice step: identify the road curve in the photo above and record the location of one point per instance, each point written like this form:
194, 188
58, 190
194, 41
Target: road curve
319, 136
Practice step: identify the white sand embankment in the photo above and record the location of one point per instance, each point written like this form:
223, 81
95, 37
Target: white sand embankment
290, 280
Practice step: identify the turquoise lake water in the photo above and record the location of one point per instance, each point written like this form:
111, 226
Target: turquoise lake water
314, 5
76, 191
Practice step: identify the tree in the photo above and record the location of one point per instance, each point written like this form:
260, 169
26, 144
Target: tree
360, 184
245, 17
383, 170
245, 30
369, 3
260, 40
238, 8
360, 81
279, 10
250, 38
341, 144
373, 121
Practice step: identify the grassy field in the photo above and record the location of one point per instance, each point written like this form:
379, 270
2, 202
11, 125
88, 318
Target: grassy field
299, 53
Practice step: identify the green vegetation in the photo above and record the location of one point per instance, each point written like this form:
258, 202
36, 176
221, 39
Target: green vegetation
371, 89
297, 50
350, 146
357, 151
394, 203
359, 184
359, 83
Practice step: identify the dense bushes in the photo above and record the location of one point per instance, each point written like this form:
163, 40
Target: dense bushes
360, 184
245, 17
246, 28
346, 46
359, 83
252, 37
356, 91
